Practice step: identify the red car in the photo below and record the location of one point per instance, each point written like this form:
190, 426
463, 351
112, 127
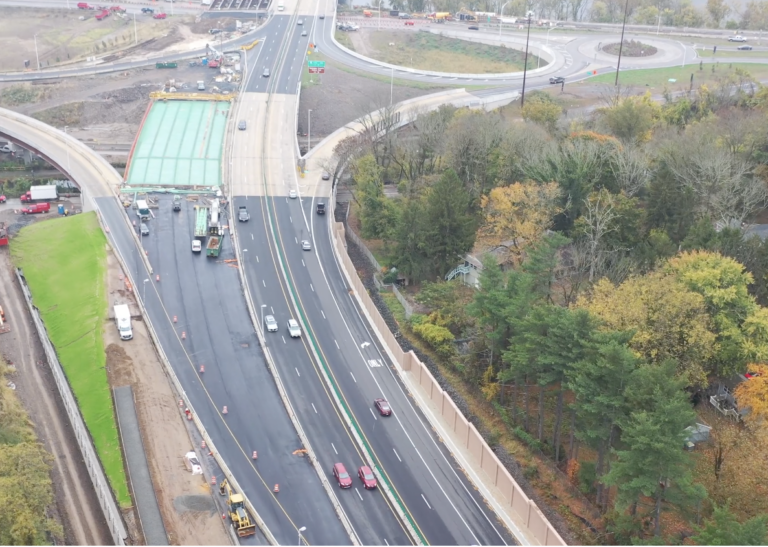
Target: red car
341, 475
409, 23
2, 199
369, 481
159, 16
383, 407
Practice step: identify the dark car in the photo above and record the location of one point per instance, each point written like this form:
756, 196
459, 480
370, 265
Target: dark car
341, 475
147, 10
473, 27
557, 80
383, 407
745, 47
365, 474
241, 125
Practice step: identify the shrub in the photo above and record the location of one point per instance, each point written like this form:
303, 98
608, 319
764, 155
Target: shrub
439, 338
523, 436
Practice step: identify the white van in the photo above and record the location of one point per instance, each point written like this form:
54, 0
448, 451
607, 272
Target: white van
280, 6
123, 321
142, 209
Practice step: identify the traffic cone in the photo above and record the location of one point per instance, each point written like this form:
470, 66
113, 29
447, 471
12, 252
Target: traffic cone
223, 516
202, 444
183, 335
276, 489
255, 455
224, 410
181, 403
157, 277
174, 319
213, 480
202, 369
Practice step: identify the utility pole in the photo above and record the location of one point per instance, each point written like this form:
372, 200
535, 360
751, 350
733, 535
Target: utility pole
309, 127
525, 68
37, 56
621, 44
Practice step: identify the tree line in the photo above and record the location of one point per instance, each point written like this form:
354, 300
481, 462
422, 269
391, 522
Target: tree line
620, 278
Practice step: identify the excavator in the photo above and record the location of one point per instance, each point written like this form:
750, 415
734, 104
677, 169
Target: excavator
237, 513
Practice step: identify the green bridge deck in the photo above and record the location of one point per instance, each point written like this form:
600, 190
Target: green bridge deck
180, 144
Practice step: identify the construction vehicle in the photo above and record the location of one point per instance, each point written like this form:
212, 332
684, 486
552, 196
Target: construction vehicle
440, 17
103, 14
201, 222
367, 13
214, 246
214, 224
237, 513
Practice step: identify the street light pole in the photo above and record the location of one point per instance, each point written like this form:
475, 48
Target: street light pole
525, 68
300, 531
309, 127
37, 56
135, 32
621, 44
501, 13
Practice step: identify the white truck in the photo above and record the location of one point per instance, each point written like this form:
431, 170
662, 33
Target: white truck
123, 321
280, 6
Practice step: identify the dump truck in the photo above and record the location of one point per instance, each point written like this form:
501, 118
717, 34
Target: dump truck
201, 222
237, 512
38, 193
214, 246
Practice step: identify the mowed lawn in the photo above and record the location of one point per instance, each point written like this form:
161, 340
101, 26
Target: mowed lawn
64, 261
659, 77
427, 51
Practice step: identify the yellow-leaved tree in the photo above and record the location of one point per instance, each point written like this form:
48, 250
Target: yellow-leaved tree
753, 394
516, 216
670, 321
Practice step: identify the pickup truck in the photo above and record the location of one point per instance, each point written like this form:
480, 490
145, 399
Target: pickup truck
36, 208
147, 10
103, 14
242, 214
84, 5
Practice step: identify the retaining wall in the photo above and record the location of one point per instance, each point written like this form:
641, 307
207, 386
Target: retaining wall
532, 522
107, 502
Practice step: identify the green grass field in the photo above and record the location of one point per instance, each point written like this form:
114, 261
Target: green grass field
427, 51
659, 77
64, 261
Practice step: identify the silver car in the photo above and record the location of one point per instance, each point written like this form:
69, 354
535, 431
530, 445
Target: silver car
292, 194
293, 328
305, 245
271, 324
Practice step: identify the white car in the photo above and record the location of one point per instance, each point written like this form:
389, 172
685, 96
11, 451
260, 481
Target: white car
271, 324
292, 194
293, 328
196, 246
305, 245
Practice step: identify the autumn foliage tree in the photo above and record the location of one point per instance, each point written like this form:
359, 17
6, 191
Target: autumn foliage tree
753, 394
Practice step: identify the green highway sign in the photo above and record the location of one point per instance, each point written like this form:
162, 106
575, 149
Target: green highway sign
318, 64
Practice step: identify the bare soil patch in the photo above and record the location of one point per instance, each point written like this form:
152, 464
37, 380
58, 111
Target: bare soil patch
185, 500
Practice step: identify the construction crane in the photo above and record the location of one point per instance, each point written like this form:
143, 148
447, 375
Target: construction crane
237, 513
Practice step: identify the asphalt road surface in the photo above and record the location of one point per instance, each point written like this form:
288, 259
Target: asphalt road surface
205, 296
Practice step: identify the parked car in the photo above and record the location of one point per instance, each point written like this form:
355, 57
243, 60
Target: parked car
365, 474
409, 23
342, 477
271, 323
293, 328
159, 16
745, 47
2, 199
6, 148
383, 407
557, 80
144, 229
36, 208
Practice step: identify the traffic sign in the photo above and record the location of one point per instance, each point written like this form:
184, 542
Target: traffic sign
318, 64
316, 70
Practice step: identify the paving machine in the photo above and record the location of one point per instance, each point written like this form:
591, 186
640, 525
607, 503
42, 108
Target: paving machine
237, 513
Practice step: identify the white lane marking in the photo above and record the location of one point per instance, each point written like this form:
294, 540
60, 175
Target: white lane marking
283, 337
297, 240
353, 377
251, 237
425, 501
291, 219
358, 494
273, 309
334, 449
372, 414
398, 455
313, 408
337, 344
311, 287
297, 372
302, 263
264, 283
321, 311
385, 541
